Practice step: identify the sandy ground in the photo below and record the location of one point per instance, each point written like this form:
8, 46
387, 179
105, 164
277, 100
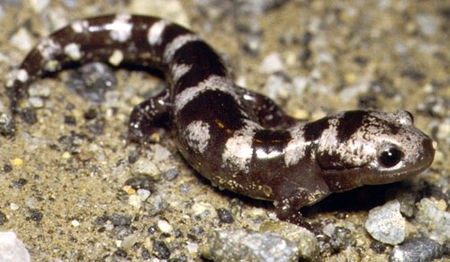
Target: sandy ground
64, 182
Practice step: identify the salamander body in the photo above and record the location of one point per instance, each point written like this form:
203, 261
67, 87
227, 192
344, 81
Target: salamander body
240, 140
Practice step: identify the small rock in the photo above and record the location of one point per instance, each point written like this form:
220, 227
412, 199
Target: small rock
341, 238
36, 102
92, 81
170, 174
129, 241
428, 24
164, 226
418, 249
3, 218
278, 86
135, 201
242, 245
147, 168
203, 209
155, 205
272, 64
39, 5
432, 214
36, 215
120, 220
141, 182
386, 224
160, 250
12, 249
22, 40
225, 215
39, 91
407, 203
7, 125
143, 194
161, 153
307, 244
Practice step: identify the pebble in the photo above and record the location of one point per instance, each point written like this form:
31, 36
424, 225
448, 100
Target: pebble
243, 245
75, 223
203, 209
257, 7
272, 64
160, 250
14, 206
135, 201
432, 215
428, 25
340, 238
307, 244
22, 40
407, 203
147, 168
386, 224
70, 3
170, 174
171, 9
143, 194
155, 205
17, 162
3, 218
120, 220
7, 125
278, 86
12, 249
164, 226
39, 91
129, 241
92, 81
39, 5
140, 182
161, 153
36, 102
225, 216
417, 249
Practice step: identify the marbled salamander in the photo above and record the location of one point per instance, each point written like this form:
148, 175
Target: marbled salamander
238, 139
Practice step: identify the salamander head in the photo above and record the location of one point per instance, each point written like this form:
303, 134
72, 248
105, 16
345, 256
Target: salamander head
370, 147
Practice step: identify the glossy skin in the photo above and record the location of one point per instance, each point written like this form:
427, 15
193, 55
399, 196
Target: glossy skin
240, 140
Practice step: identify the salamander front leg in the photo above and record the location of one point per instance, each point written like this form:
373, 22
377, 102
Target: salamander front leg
268, 114
149, 117
288, 209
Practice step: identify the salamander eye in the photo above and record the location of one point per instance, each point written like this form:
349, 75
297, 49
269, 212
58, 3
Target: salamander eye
390, 156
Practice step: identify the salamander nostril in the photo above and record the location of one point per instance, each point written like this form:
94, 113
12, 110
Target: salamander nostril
390, 157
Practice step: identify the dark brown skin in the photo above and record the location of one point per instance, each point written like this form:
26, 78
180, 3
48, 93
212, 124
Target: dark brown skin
240, 140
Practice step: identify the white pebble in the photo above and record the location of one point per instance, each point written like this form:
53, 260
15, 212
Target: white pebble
36, 102
22, 40
164, 226
386, 224
135, 201
12, 249
39, 5
203, 208
143, 194
14, 206
272, 64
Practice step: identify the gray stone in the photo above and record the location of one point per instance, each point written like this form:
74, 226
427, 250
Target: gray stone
242, 245
417, 250
386, 224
